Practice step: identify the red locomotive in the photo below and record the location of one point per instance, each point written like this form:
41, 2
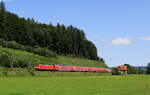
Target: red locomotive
70, 68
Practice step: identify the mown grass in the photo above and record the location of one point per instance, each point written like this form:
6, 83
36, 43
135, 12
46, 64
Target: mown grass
36, 59
81, 85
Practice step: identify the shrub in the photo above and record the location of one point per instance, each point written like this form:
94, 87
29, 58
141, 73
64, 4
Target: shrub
10, 44
28, 48
14, 45
45, 52
9, 61
3, 43
5, 60
23, 63
31, 71
36, 50
115, 71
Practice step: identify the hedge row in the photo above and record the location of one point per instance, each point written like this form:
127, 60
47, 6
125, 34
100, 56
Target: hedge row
40, 51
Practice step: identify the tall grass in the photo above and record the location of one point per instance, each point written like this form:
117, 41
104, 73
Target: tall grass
33, 59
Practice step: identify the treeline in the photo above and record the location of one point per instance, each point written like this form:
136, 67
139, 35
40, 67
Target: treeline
132, 70
64, 40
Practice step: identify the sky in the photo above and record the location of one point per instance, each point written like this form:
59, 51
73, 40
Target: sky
120, 29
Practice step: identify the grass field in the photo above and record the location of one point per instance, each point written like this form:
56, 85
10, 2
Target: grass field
79, 85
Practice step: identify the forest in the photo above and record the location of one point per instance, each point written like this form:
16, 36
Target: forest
61, 39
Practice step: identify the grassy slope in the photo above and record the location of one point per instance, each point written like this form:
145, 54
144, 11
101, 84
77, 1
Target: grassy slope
85, 85
36, 59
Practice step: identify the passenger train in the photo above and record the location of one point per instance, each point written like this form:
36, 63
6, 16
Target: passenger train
70, 68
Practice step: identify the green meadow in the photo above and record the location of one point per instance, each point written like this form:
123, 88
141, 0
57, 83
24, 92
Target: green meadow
76, 85
34, 59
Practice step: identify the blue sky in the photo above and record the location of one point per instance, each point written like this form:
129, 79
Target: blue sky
119, 28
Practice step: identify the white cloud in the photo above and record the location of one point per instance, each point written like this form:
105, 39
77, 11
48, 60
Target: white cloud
122, 41
145, 38
6, 0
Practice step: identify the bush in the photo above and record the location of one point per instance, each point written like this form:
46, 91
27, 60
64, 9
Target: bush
9, 61
14, 45
28, 48
6, 60
10, 44
36, 50
115, 71
3, 43
31, 71
45, 52
23, 63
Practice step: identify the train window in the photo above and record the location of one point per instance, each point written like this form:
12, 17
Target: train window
64, 65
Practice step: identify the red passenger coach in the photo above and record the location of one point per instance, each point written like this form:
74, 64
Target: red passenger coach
42, 67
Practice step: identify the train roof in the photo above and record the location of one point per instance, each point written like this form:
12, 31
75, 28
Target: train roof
70, 65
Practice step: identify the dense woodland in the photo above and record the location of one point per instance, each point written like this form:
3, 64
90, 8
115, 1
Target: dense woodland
64, 40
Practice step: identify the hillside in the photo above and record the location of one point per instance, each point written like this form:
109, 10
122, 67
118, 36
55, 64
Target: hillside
34, 59
62, 39
49, 44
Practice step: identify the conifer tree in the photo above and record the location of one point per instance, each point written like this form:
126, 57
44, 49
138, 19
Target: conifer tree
2, 6
148, 68
64, 40
2, 20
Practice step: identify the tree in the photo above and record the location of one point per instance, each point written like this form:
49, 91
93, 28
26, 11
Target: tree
102, 60
130, 69
148, 68
2, 20
115, 71
64, 40
2, 6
